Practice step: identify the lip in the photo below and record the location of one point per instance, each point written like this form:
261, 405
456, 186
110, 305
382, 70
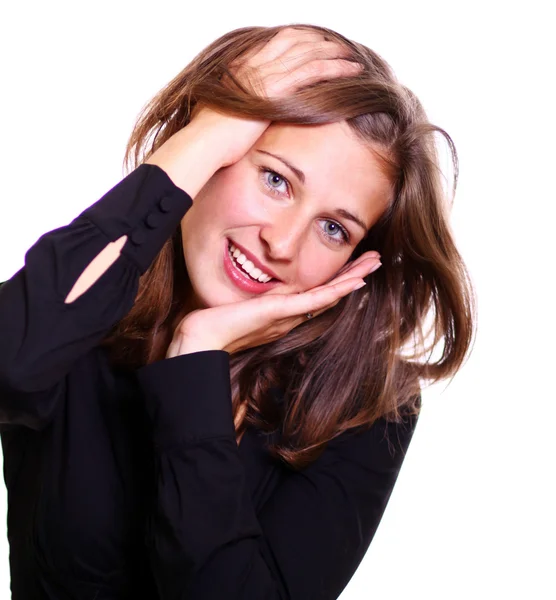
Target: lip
241, 279
254, 260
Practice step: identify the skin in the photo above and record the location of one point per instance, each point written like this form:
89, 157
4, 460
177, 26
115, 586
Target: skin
214, 158
265, 207
217, 159
283, 221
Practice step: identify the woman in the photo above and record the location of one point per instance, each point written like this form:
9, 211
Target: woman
201, 398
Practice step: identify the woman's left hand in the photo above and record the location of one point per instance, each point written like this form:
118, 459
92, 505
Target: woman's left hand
263, 319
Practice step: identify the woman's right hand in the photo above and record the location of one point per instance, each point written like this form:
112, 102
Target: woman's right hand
293, 58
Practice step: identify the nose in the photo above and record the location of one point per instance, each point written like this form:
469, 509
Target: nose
283, 237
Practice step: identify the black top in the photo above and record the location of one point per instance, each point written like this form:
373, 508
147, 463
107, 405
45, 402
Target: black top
129, 483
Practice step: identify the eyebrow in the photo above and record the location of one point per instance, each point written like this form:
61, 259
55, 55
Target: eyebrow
342, 212
298, 172
347, 215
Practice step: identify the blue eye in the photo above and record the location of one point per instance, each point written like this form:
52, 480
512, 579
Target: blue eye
335, 232
274, 182
279, 186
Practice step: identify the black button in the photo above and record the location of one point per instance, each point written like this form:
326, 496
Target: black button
153, 220
165, 204
137, 237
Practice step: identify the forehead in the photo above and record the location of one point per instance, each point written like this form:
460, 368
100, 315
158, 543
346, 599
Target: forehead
338, 166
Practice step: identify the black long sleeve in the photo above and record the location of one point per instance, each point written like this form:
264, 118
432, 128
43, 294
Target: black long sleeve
205, 539
73, 441
41, 336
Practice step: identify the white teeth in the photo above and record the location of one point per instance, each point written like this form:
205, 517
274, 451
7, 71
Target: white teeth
247, 265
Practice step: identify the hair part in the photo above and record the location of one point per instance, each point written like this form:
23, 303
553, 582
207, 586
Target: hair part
368, 357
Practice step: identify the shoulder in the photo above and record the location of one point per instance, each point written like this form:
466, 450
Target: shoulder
380, 446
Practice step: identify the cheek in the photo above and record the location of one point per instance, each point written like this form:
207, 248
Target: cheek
227, 201
318, 265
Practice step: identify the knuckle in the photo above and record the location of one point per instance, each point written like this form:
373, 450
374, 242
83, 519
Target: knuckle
289, 32
315, 67
338, 67
277, 305
293, 32
285, 32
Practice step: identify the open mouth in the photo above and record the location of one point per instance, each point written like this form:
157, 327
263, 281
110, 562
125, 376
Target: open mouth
246, 267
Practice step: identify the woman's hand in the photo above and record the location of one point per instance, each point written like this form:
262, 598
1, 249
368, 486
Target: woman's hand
293, 58
257, 321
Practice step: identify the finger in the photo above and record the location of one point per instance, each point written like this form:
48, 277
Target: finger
289, 305
293, 322
268, 52
362, 269
282, 41
323, 310
304, 52
365, 256
297, 320
318, 70
316, 313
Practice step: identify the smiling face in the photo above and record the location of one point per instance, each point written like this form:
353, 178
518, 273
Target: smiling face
296, 206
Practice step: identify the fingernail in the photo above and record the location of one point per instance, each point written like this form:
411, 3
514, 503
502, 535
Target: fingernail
359, 285
375, 268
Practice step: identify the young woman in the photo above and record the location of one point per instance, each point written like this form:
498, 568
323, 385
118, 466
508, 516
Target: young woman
209, 378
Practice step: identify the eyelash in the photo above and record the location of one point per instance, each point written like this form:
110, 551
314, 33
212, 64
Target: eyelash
264, 171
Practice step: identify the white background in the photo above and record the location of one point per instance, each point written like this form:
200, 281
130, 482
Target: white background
472, 514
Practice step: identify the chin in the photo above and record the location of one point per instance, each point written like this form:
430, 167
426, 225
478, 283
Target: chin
217, 295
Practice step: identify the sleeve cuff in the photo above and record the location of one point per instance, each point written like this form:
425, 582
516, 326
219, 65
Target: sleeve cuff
147, 207
188, 398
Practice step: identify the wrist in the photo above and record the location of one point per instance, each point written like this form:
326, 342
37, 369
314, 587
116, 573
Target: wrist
189, 158
189, 345
228, 136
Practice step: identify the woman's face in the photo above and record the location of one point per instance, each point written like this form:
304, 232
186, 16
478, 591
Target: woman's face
294, 209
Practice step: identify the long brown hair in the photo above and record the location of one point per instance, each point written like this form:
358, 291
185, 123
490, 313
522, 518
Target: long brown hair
367, 357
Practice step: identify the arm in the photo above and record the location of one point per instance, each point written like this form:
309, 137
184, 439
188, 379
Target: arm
204, 537
80, 279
